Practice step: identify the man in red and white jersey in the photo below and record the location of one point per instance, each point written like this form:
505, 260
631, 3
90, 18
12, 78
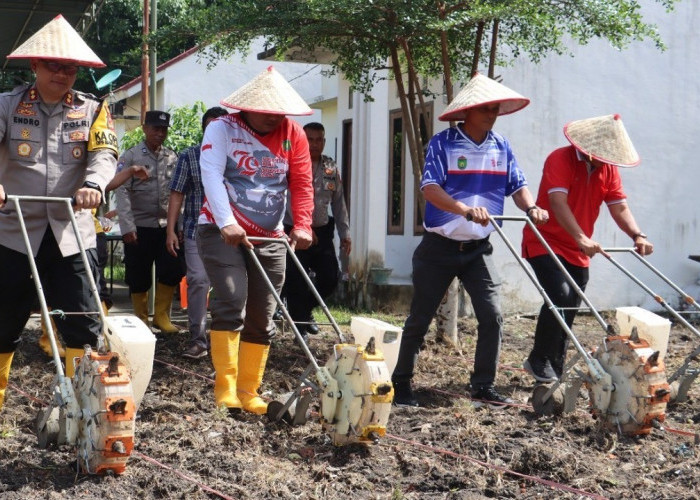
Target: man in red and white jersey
249, 160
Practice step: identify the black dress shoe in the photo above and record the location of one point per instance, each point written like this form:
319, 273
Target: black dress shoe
541, 371
403, 394
303, 333
312, 328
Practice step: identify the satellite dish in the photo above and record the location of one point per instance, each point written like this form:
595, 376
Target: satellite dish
108, 79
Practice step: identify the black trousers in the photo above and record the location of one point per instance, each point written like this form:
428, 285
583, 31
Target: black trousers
65, 285
139, 258
321, 263
550, 338
436, 262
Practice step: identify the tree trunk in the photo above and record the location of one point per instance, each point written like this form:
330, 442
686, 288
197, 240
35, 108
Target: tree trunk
494, 48
477, 48
446, 66
416, 153
465, 308
446, 317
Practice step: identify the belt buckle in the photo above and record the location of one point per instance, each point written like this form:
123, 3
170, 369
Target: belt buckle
463, 245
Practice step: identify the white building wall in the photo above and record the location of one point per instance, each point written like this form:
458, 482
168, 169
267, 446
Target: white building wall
657, 93
189, 80
369, 178
399, 248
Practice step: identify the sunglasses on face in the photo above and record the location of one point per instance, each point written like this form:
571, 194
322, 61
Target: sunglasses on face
54, 67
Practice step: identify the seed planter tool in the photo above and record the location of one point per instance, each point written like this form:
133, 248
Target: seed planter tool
685, 375
625, 378
354, 386
94, 411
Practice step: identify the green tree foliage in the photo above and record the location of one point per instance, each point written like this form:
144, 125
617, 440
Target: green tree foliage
116, 36
437, 39
185, 129
361, 33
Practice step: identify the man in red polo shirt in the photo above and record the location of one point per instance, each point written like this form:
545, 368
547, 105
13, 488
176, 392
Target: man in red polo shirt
576, 181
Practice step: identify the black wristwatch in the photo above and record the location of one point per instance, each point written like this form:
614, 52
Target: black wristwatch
638, 235
92, 185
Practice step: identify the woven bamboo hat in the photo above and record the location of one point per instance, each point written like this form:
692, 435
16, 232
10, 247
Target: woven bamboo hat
482, 90
603, 138
57, 41
270, 93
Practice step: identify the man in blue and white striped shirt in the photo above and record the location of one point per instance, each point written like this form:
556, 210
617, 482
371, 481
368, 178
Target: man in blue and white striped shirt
469, 171
186, 185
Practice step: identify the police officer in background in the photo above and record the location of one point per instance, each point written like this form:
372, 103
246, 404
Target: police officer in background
319, 260
142, 205
58, 142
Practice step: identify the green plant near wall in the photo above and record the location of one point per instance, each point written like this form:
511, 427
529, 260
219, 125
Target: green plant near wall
185, 128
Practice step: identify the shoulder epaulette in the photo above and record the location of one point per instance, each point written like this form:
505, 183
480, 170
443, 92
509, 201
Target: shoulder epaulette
19, 89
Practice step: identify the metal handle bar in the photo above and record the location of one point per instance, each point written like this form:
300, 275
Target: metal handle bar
681, 370
607, 327
16, 199
593, 367
285, 312
687, 298
653, 294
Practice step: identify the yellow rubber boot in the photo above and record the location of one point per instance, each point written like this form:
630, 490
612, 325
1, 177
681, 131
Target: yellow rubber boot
45, 342
161, 309
224, 357
5, 363
71, 354
139, 301
252, 359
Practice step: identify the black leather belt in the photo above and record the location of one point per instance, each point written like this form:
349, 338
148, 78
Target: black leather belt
460, 246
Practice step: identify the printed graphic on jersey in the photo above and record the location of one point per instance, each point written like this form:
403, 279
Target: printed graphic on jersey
464, 161
255, 175
257, 190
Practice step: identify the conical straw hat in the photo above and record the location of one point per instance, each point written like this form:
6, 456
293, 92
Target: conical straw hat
603, 138
57, 41
268, 92
482, 90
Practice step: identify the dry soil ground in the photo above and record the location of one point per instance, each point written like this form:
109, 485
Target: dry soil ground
447, 449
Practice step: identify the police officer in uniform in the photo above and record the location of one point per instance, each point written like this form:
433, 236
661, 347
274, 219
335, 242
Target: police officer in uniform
142, 205
319, 260
54, 141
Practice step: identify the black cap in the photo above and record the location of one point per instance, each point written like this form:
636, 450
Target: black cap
157, 119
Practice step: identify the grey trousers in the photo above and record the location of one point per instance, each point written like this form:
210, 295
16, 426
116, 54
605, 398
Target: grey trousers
241, 300
436, 262
197, 291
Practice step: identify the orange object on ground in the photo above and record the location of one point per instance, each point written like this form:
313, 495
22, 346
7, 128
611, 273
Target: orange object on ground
183, 293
